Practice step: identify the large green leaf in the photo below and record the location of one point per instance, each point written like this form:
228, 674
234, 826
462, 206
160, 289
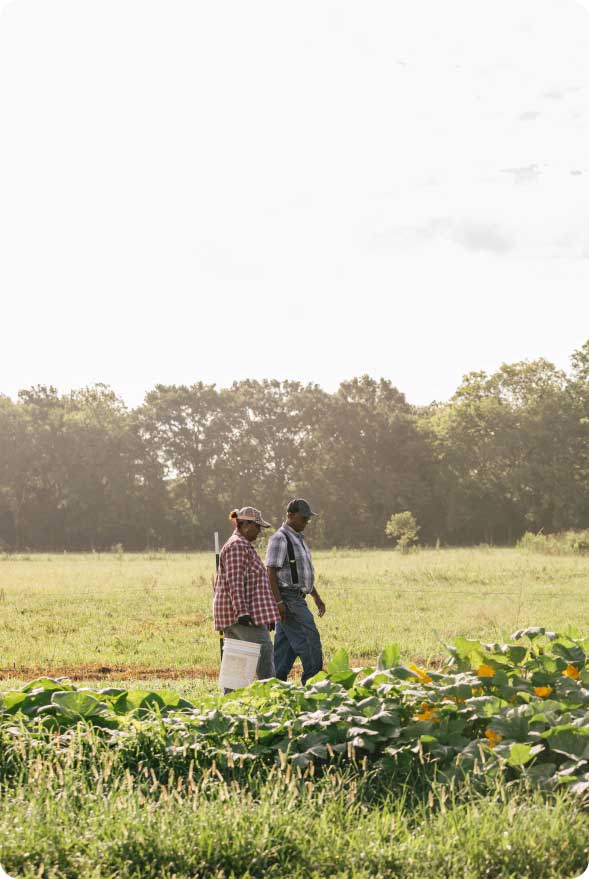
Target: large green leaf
517, 654
520, 754
571, 741
134, 700
376, 678
78, 705
320, 676
389, 657
346, 678
47, 684
569, 651
531, 632
340, 662
13, 701
465, 648
513, 724
34, 700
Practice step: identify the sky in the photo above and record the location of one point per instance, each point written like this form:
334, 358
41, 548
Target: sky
195, 191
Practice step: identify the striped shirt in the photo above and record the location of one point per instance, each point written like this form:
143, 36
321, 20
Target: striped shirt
242, 586
277, 557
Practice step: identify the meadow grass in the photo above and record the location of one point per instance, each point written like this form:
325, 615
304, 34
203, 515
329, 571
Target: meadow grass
148, 618
151, 614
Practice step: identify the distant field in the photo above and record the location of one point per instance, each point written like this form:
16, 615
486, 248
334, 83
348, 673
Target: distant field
149, 616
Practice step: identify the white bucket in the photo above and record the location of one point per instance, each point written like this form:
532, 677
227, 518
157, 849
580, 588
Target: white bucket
239, 663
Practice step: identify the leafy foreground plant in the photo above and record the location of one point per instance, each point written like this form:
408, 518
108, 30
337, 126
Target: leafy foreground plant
515, 711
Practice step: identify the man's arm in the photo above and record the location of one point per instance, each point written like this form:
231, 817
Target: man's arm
318, 601
273, 577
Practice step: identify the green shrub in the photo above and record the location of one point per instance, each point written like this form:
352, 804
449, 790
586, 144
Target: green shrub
562, 543
403, 528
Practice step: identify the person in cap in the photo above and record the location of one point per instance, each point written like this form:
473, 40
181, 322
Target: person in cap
292, 576
244, 605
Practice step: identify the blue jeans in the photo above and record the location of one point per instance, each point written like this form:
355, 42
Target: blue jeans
297, 636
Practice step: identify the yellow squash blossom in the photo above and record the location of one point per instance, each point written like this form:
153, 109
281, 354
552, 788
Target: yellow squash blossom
485, 671
493, 737
571, 671
543, 692
427, 713
421, 674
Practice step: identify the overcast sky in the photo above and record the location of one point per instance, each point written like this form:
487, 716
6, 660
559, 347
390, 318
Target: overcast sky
315, 190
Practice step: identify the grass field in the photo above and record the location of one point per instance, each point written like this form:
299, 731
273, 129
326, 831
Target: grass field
141, 615
147, 618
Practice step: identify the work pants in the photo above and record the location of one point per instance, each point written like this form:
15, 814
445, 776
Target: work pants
297, 636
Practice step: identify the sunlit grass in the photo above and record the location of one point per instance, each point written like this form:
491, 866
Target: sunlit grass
154, 612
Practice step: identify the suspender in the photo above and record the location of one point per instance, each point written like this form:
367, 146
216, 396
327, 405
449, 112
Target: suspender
292, 560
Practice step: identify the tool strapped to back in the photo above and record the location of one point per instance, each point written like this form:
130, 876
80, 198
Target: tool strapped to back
217, 563
294, 573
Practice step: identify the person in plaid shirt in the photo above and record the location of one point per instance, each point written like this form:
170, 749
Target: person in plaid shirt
244, 604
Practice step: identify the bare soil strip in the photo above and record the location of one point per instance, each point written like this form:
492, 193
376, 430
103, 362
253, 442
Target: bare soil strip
96, 672
111, 672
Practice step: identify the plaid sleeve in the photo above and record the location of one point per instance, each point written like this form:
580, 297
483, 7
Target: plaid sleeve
234, 562
276, 552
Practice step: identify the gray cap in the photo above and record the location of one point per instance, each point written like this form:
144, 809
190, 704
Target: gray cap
300, 505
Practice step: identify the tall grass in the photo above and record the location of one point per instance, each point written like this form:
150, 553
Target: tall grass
70, 822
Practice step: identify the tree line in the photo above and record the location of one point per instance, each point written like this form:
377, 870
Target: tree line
508, 453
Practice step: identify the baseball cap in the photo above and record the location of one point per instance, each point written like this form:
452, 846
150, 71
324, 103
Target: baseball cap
300, 505
250, 514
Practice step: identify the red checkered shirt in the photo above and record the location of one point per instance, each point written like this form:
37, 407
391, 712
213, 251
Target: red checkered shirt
242, 586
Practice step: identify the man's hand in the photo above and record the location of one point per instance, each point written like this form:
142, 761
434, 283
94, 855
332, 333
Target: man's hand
273, 577
245, 620
320, 605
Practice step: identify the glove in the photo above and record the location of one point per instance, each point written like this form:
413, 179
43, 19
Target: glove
245, 620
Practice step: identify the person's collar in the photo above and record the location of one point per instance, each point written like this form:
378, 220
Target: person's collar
292, 530
239, 536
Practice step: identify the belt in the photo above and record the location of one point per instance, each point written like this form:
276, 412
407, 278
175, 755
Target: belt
298, 593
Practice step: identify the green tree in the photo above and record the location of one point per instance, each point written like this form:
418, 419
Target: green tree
403, 528
367, 453
276, 424
112, 495
42, 519
504, 444
17, 482
189, 431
